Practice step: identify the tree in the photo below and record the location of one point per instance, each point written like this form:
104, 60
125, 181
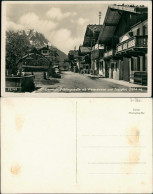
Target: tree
17, 45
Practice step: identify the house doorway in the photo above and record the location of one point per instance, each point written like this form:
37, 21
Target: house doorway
112, 69
126, 69
106, 69
121, 69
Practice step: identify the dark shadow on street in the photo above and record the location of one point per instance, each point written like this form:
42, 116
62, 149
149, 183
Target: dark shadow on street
50, 82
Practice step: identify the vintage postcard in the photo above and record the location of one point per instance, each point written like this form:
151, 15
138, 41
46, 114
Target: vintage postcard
76, 48
76, 145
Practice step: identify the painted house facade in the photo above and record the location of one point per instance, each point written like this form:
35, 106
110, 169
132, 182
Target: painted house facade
124, 36
134, 48
97, 53
90, 39
49, 53
84, 61
73, 57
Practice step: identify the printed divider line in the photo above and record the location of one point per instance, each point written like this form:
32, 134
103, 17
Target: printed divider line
116, 162
113, 146
96, 173
111, 135
76, 146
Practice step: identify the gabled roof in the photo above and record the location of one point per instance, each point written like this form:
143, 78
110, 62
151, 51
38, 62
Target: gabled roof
44, 48
85, 49
112, 18
50, 50
94, 27
130, 8
73, 52
30, 56
92, 33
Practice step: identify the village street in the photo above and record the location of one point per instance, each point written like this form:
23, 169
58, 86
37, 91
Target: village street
75, 82
108, 47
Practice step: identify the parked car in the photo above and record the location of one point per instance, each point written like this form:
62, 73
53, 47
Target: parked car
56, 72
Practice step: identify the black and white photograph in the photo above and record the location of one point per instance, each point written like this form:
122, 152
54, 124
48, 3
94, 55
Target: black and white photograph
76, 106
88, 48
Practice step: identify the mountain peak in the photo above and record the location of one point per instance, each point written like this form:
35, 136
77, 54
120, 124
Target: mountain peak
38, 40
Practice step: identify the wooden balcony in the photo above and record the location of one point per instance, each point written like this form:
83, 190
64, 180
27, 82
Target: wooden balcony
109, 54
133, 44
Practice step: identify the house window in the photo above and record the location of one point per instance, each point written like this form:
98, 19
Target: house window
138, 32
134, 64
44, 51
102, 65
115, 66
144, 63
144, 30
138, 64
92, 42
132, 67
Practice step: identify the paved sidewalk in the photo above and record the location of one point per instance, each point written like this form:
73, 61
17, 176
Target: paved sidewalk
124, 83
120, 82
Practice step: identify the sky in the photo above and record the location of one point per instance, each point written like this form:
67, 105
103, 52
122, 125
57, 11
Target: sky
63, 25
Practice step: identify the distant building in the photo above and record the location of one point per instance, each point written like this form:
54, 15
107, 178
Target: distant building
91, 35
84, 59
73, 57
49, 53
39, 59
45, 51
90, 39
65, 66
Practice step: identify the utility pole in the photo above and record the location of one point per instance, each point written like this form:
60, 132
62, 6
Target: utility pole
99, 17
